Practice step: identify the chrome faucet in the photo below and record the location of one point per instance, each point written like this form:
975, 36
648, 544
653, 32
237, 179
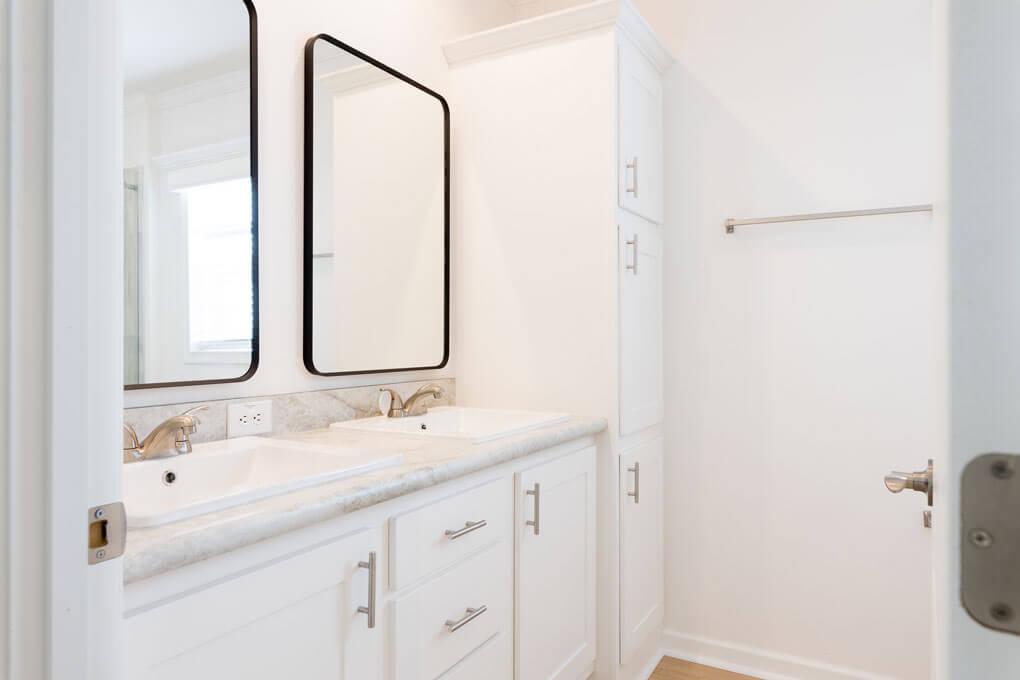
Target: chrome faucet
401, 409
169, 438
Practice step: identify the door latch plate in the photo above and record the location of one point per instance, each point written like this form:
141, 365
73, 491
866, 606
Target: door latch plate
107, 532
990, 550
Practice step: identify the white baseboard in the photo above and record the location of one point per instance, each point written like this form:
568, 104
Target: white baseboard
758, 663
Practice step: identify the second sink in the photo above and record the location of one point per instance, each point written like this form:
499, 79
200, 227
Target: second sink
476, 425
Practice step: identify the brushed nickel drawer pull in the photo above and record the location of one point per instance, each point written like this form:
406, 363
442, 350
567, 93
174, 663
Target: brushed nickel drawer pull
538, 501
633, 263
471, 615
636, 493
370, 609
454, 534
633, 166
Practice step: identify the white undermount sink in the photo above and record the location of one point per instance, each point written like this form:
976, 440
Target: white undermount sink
224, 474
476, 425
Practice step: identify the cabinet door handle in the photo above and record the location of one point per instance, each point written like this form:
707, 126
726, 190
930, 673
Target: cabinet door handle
633, 166
538, 503
636, 493
634, 260
454, 534
370, 609
471, 615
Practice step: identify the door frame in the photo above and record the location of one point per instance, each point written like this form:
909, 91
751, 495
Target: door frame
61, 321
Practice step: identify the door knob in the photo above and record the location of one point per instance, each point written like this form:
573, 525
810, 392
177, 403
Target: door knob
915, 481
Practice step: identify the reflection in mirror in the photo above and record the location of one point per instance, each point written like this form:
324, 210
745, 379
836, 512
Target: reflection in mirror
376, 229
190, 222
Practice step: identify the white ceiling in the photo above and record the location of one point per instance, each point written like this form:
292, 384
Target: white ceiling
171, 42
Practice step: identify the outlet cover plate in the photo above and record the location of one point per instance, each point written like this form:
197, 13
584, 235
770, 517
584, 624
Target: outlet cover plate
249, 417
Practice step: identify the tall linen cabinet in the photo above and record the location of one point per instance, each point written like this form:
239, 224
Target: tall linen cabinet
557, 281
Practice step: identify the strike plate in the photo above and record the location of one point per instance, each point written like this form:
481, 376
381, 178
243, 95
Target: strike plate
107, 532
991, 541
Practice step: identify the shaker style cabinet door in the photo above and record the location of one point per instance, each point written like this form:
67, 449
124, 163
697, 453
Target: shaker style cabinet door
640, 281
640, 136
641, 546
555, 599
297, 618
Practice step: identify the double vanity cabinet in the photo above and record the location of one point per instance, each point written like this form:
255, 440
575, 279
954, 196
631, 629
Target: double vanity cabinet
488, 574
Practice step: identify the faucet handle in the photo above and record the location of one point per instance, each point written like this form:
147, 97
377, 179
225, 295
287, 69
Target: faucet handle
132, 450
192, 411
396, 403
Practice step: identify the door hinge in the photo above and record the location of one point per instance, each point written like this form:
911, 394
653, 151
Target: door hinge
990, 536
107, 532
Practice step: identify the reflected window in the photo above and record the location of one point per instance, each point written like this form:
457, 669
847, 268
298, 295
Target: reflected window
219, 265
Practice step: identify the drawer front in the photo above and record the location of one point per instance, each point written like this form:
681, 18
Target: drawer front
436, 536
492, 661
424, 645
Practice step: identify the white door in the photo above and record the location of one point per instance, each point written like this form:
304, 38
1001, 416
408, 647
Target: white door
640, 146
297, 618
640, 280
979, 54
556, 540
641, 556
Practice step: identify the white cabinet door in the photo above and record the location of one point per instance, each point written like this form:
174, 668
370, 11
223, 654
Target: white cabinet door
640, 145
293, 619
640, 278
641, 553
555, 597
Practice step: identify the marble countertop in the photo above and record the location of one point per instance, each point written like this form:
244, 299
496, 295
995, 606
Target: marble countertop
155, 550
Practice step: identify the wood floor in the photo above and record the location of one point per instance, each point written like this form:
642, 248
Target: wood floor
674, 669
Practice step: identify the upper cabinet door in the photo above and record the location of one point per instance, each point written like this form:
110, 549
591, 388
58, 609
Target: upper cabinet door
640, 144
640, 277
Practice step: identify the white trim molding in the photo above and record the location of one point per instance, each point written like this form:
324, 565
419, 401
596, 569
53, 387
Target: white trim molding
753, 661
561, 24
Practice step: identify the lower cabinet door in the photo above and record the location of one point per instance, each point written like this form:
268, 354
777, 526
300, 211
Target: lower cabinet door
641, 553
556, 540
297, 618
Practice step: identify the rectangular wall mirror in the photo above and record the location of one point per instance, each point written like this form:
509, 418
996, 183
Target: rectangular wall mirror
376, 250
190, 192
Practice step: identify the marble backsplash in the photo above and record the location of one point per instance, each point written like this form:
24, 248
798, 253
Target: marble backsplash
296, 412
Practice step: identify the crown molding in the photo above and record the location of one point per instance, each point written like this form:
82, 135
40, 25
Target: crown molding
556, 25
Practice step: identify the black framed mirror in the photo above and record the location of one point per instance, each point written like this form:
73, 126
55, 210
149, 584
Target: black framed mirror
191, 313
376, 216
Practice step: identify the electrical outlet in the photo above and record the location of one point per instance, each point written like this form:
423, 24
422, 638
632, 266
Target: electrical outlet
249, 417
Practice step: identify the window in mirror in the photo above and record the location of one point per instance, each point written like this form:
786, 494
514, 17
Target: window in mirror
190, 192
376, 251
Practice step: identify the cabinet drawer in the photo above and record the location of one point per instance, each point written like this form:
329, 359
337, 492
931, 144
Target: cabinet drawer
492, 661
420, 544
424, 646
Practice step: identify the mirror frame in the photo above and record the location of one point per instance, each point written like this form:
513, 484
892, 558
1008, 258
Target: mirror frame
253, 146
308, 205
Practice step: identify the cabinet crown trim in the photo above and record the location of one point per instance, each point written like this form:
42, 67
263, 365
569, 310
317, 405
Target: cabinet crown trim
556, 25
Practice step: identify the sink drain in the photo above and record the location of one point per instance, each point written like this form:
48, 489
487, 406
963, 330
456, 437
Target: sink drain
169, 477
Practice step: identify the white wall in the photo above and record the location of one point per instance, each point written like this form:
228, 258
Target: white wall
405, 34
802, 360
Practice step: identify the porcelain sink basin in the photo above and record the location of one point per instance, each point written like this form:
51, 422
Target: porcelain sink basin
476, 425
220, 475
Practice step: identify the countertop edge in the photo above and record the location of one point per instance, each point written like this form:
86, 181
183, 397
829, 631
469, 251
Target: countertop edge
221, 537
